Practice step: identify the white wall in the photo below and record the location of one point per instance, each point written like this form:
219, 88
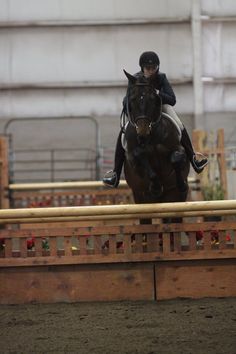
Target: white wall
63, 57
44, 55
15, 10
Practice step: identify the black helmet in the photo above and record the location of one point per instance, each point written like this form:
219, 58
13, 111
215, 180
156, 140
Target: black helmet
149, 58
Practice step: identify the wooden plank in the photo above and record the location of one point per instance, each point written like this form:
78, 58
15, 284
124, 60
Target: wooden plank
53, 246
61, 224
138, 243
38, 246
102, 210
177, 242
83, 245
127, 244
222, 240
117, 258
166, 243
23, 247
75, 283
67, 246
47, 219
196, 279
97, 244
192, 241
152, 242
71, 198
116, 229
112, 244
207, 241
8, 248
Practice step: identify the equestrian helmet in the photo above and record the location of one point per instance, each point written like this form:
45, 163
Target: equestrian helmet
149, 58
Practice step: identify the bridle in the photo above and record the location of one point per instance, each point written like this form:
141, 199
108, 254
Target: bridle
134, 120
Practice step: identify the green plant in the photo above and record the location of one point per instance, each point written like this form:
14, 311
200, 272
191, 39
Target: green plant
213, 192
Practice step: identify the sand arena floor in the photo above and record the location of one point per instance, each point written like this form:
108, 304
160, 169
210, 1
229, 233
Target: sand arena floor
206, 326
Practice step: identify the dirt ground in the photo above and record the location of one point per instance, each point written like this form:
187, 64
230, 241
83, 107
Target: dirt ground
206, 326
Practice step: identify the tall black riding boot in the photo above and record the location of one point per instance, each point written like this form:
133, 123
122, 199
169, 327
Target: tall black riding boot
198, 165
112, 178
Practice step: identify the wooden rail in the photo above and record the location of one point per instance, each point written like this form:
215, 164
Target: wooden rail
73, 194
157, 208
69, 185
67, 194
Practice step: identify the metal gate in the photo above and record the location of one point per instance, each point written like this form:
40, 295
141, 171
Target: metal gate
39, 155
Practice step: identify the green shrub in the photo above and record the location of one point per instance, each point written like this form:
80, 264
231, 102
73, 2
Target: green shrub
213, 192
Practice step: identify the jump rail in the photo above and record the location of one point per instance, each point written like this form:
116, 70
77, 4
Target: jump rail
102, 253
73, 194
57, 194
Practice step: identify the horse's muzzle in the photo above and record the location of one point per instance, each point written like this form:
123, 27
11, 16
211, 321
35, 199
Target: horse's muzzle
143, 126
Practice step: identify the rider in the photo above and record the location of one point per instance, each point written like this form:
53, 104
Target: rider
150, 63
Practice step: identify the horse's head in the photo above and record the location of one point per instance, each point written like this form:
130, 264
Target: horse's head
143, 104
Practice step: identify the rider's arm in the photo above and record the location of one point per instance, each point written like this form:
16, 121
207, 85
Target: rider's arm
166, 92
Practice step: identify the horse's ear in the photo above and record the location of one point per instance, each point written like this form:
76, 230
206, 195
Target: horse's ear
130, 77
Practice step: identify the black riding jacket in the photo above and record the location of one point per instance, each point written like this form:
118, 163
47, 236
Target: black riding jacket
162, 84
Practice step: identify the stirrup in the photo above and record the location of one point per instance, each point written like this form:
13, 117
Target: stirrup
198, 166
110, 179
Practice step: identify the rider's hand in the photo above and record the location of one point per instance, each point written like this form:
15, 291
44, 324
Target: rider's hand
157, 92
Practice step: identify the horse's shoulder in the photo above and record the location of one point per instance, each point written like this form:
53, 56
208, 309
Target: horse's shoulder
171, 122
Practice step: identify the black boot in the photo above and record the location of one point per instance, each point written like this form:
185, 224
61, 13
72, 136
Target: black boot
112, 178
198, 165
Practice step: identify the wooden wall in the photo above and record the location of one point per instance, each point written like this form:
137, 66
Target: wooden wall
117, 262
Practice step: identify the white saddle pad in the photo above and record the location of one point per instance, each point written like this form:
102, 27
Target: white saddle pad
167, 116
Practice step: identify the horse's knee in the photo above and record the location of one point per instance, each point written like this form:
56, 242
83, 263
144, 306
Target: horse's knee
178, 157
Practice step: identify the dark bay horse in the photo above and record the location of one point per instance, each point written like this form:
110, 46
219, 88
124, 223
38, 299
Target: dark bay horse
156, 167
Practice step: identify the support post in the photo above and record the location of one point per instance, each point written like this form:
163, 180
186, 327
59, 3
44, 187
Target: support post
4, 182
197, 65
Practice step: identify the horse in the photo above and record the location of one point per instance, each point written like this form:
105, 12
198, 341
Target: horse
156, 167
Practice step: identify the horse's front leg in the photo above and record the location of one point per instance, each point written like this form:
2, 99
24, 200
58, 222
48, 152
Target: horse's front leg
140, 161
178, 159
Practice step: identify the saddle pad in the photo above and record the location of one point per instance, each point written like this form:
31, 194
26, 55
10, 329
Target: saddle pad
167, 116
